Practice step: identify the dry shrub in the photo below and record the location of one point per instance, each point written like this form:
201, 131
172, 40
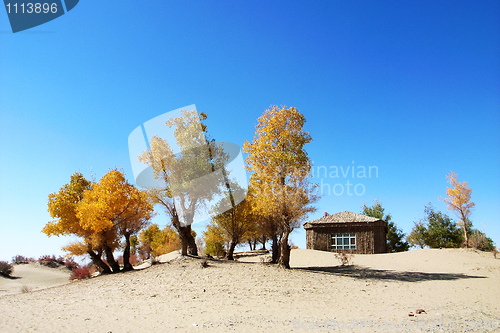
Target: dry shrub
479, 241
265, 259
71, 264
25, 289
19, 259
344, 258
80, 273
51, 261
6, 269
134, 259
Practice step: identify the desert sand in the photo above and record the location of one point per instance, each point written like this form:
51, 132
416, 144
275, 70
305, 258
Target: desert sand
458, 289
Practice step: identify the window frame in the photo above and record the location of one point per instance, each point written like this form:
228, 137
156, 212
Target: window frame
343, 241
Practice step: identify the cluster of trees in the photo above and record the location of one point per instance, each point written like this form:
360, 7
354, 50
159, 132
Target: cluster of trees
437, 230
112, 214
279, 196
104, 215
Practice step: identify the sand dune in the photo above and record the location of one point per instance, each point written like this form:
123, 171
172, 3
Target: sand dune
32, 277
376, 294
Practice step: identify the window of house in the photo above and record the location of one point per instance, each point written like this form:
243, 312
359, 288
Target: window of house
343, 241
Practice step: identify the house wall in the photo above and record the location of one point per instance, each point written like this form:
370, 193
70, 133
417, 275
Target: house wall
369, 239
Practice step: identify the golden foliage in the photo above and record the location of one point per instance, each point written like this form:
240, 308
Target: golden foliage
159, 241
459, 196
62, 207
76, 249
165, 241
214, 240
459, 201
280, 167
115, 202
100, 213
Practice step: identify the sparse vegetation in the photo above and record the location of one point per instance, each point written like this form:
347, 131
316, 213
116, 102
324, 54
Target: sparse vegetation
80, 273
53, 262
479, 241
344, 258
19, 259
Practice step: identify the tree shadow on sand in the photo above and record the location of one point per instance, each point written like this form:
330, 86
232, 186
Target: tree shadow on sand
10, 277
366, 273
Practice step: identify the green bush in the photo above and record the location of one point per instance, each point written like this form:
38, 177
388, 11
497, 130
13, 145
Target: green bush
435, 230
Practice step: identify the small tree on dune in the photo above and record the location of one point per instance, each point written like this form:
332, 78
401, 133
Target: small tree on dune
459, 201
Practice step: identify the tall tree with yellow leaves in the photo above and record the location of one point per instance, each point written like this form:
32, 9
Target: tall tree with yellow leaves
100, 214
459, 201
62, 206
199, 156
112, 209
279, 168
235, 224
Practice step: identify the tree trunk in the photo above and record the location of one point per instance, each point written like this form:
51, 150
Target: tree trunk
96, 259
192, 248
264, 241
111, 259
466, 236
284, 260
276, 250
184, 242
188, 243
231, 249
126, 255
250, 243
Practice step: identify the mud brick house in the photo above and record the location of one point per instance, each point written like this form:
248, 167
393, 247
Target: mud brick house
347, 232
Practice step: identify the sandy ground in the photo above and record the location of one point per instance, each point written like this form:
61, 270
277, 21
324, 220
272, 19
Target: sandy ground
458, 289
33, 277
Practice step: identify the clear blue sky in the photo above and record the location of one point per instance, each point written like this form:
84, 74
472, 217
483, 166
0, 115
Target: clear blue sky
411, 88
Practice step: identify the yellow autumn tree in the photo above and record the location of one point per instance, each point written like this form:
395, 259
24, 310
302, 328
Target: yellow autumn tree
215, 240
459, 201
62, 206
166, 241
279, 168
157, 242
235, 224
199, 156
112, 209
